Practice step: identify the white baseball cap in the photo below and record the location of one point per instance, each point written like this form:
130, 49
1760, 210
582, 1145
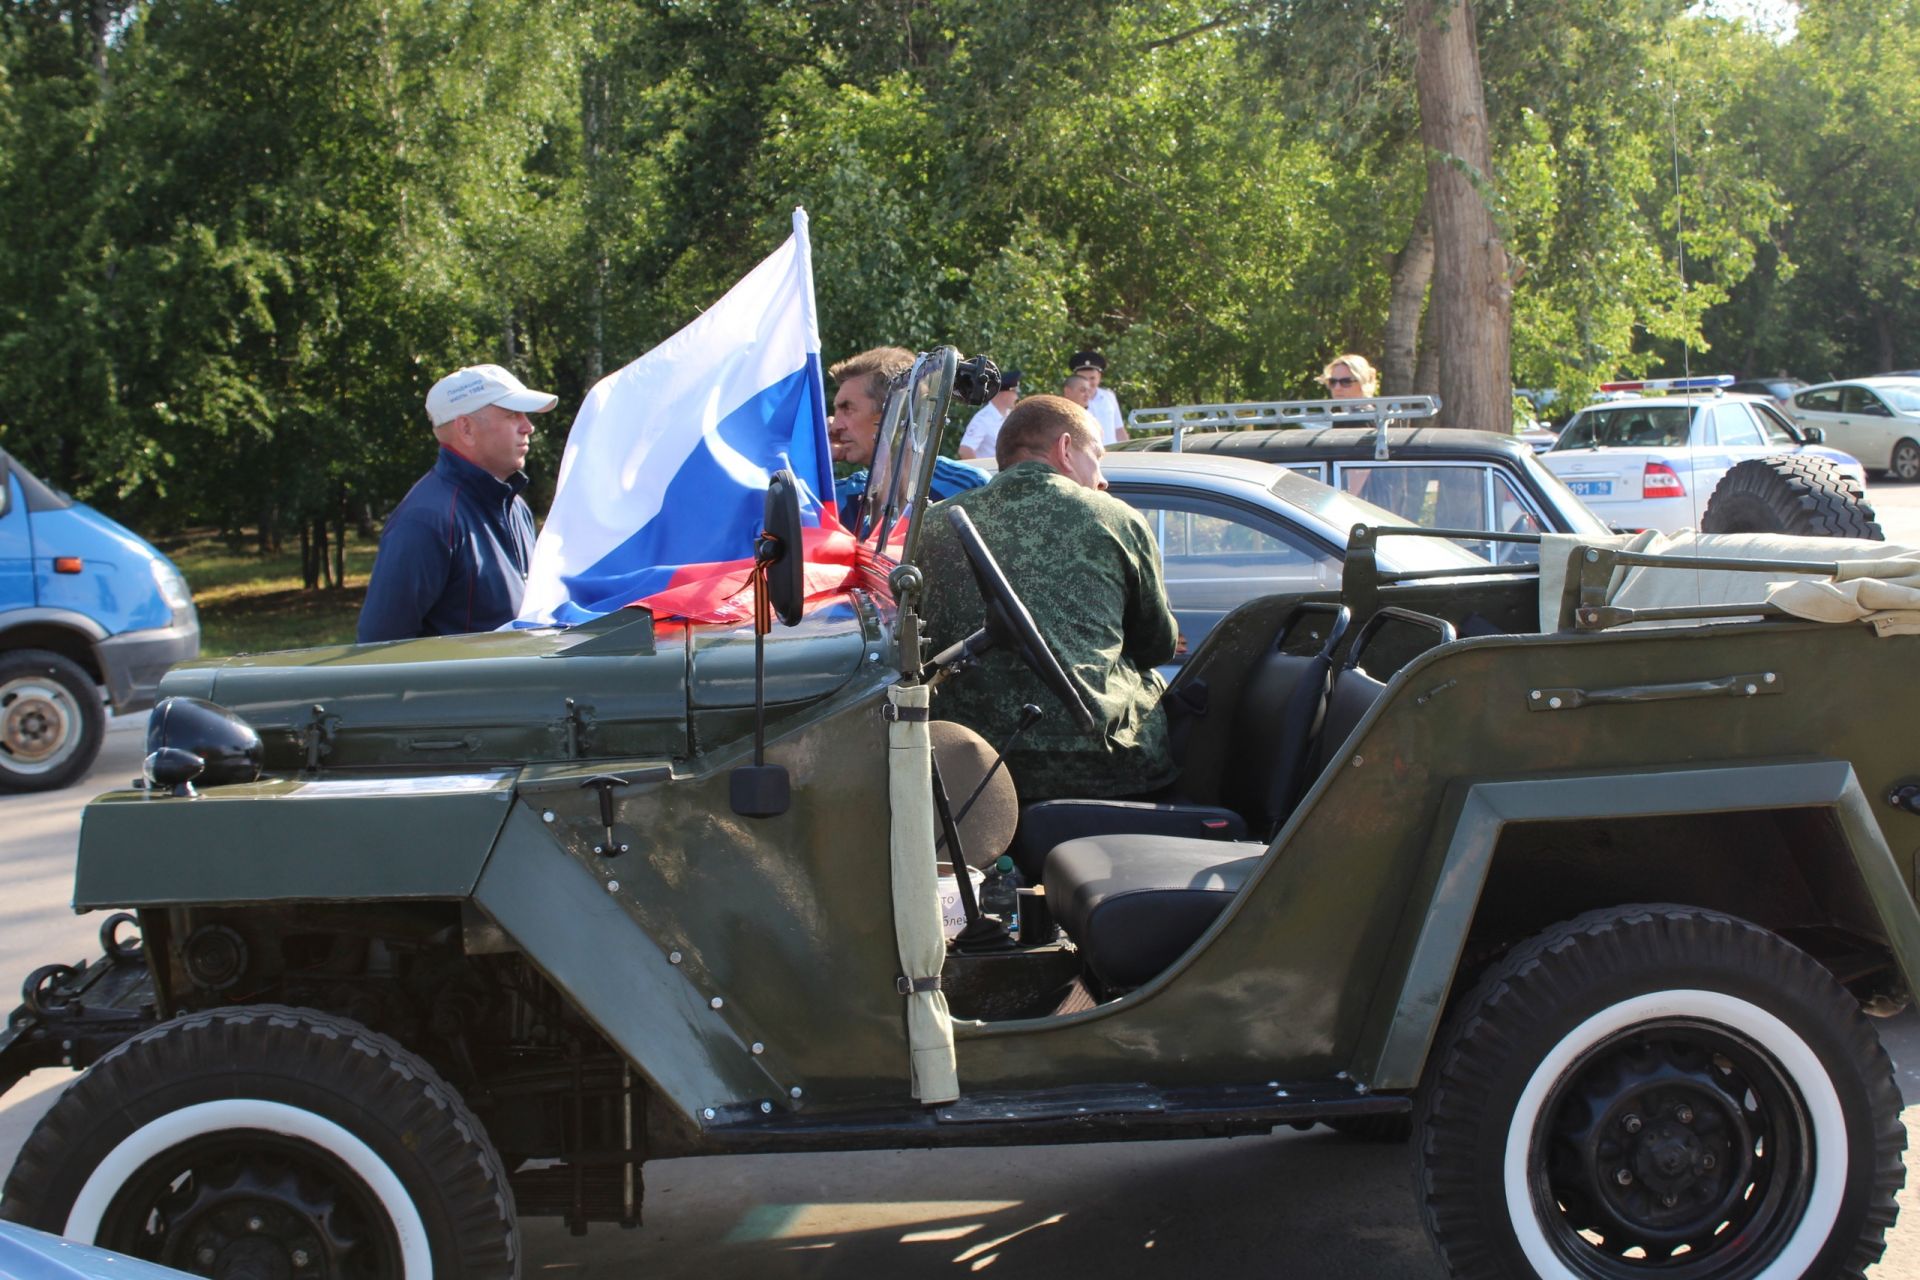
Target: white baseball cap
479, 385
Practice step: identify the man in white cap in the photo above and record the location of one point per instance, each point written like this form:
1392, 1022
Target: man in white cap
454, 554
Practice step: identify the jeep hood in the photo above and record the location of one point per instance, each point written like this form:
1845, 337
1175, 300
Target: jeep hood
618, 686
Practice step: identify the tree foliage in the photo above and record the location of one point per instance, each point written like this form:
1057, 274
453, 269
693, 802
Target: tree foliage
243, 239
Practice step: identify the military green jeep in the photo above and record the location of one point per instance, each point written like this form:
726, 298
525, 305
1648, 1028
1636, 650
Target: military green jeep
1592, 896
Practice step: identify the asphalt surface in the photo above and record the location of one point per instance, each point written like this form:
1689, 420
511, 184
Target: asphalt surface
1292, 1204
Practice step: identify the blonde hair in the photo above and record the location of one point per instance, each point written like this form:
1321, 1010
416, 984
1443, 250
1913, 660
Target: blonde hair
1359, 368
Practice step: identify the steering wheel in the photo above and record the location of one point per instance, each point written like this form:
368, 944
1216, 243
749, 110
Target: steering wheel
1008, 621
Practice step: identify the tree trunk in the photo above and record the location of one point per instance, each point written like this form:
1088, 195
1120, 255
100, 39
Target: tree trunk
1470, 314
340, 538
309, 576
1426, 373
1407, 299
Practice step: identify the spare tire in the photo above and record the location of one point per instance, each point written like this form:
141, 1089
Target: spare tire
1793, 493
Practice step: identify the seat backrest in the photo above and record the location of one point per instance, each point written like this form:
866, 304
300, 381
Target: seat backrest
1279, 714
1356, 687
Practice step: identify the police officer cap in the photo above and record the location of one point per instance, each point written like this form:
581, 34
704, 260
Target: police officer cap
1087, 360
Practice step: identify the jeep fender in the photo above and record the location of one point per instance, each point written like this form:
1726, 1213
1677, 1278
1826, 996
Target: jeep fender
1399, 1034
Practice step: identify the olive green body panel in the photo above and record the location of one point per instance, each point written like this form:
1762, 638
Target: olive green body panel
787, 922
641, 994
1287, 981
1395, 1047
284, 839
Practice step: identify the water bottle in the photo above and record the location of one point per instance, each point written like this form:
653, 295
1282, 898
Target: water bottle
1000, 895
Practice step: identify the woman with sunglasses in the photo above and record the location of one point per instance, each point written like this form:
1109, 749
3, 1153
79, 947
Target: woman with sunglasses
1349, 377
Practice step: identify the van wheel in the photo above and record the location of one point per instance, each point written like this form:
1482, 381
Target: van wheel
51, 721
268, 1141
1659, 1091
1905, 463
1797, 494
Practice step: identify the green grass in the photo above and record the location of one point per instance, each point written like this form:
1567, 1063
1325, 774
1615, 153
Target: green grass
252, 604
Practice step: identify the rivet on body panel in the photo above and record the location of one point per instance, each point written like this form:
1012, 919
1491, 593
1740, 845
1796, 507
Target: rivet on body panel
707, 1114
613, 886
673, 957
1358, 761
716, 1002
794, 1093
766, 1108
758, 1049
546, 815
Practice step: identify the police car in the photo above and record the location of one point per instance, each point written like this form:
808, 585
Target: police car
1652, 461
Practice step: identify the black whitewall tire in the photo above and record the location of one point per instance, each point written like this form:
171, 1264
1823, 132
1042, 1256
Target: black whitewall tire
265, 1140
1659, 1091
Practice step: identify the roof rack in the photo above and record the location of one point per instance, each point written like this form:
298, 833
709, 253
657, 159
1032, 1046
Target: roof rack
1382, 411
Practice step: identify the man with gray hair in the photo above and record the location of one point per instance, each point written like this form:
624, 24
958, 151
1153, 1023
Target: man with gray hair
1088, 569
454, 554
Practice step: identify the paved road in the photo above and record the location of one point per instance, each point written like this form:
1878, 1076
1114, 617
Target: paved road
1294, 1204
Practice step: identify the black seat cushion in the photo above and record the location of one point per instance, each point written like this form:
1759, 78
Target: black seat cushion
1053, 822
1134, 903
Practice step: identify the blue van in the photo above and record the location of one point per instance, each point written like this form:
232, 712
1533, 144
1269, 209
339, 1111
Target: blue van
84, 605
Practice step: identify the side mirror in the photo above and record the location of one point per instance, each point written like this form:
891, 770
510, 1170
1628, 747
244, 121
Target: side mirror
785, 561
1814, 435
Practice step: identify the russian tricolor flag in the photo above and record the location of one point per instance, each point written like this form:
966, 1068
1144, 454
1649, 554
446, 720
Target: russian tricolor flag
664, 477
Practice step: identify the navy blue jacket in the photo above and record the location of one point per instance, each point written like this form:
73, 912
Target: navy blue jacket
453, 557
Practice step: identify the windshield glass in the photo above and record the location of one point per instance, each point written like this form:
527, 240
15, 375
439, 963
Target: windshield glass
903, 459
1343, 511
1628, 426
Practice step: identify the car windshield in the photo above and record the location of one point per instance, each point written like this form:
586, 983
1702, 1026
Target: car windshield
1343, 511
1628, 426
1904, 398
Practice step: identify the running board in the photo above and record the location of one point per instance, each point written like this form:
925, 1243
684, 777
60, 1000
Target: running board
1087, 1113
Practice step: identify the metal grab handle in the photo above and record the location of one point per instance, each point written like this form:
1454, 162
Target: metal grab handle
1746, 686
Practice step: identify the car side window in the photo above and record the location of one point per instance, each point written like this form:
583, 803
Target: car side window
1443, 497
1216, 557
6, 489
1736, 426
1863, 402
1825, 400
1775, 428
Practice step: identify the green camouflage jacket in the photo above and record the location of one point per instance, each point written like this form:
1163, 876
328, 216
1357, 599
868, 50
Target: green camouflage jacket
1086, 566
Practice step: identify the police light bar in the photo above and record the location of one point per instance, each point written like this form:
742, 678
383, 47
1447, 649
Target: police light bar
1715, 383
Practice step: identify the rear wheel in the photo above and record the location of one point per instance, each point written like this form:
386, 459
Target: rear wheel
269, 1141
1659, 1091
51, 721
1905, 463
1794, 493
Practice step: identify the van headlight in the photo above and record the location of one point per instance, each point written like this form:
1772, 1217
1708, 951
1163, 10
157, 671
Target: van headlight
173, 587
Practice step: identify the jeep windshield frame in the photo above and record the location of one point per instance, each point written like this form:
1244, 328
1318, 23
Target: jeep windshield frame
909, 443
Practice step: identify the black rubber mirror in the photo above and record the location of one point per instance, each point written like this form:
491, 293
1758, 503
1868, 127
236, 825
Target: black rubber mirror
781, 550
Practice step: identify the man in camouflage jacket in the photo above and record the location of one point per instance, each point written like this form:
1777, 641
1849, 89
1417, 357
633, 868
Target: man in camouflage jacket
1086, 566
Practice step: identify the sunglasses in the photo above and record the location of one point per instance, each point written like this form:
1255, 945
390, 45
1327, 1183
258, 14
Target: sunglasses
1343, 382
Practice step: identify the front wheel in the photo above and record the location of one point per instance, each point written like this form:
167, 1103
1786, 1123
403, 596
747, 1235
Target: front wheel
51, 721
269, 1141
1659, 1091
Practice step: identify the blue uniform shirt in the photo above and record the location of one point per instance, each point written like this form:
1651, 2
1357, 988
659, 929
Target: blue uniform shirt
949, 477
453, 557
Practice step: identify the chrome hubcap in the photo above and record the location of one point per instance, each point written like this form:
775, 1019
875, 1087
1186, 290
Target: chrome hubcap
39, 724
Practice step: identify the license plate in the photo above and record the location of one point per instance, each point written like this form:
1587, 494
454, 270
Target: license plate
1592, 488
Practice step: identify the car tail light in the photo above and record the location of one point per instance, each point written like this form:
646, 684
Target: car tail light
1661, 481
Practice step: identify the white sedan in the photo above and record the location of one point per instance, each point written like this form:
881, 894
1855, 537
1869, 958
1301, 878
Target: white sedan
1877, 420
1653, 462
